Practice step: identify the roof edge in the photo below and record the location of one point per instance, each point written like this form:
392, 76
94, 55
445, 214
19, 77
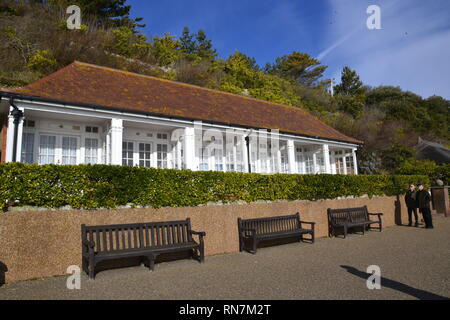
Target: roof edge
108, 108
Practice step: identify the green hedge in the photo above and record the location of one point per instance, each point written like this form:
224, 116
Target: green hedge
95, 186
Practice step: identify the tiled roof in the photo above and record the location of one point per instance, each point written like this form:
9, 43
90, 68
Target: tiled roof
96, 85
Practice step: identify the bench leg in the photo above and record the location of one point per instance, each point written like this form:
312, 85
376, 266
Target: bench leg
202, 253
255, 243
91, 270
91, 265
151, 261
345, 231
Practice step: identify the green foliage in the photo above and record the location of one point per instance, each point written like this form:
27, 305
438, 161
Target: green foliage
350, 83
396, 155
242, 76
96, 186
42, 61
165, 50
126, 43
425, 167
351, 104
299, 67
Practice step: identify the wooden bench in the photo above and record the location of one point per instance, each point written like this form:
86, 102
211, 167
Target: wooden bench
350, 218
145, 240
256, 230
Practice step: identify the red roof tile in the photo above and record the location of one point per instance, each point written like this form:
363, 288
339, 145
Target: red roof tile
91, 84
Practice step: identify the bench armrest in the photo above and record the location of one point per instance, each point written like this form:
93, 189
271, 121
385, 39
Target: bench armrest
311, 223
89, 244
376, 214
199, 233
252, 231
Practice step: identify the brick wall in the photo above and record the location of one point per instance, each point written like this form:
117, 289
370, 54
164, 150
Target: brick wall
44, 243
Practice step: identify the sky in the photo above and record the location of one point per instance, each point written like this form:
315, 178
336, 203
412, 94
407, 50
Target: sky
411, 50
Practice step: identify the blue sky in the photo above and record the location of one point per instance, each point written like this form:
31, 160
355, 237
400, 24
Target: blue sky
412, 49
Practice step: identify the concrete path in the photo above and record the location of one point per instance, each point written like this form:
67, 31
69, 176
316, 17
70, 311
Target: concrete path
414, 262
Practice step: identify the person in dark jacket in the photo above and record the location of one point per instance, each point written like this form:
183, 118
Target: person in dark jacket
423, 199
411, 204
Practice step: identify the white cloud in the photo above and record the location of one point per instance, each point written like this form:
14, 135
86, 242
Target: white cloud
410, 51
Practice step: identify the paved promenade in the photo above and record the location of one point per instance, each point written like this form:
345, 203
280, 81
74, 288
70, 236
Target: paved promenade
414, 262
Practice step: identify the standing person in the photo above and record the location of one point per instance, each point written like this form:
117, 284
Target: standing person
411, 204
423, 203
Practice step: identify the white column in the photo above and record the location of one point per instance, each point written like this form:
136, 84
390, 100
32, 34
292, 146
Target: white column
355, 162
326, 158
333, 163
189, 148
291, 156
314, 154
10, 138
116, 141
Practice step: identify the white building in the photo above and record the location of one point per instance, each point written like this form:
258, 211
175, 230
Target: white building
85, 113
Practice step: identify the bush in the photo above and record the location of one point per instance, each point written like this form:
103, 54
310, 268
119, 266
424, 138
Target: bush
95, 186
426, 167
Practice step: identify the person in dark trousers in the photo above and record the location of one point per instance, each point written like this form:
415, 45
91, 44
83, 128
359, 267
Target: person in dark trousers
411, 204
423, 198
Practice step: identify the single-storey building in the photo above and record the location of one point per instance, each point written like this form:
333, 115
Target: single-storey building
89, 114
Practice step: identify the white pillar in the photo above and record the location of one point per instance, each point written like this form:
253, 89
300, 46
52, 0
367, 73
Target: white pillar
355, 162
189, 148
326, 158
314, 162
116, 141
10, 138
291, 156
245, 159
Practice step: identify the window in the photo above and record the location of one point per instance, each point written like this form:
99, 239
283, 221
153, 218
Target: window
28, 147
284, 160
69, 150
127, 153
309, 163
218, 159
29, 123
350, 165
90, 151
299, 159
320, 162
91, 129
144, 154
161, 136
203, 155
340, 165
47, 146
161, 155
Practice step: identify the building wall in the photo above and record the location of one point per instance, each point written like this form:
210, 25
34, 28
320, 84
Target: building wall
44, 243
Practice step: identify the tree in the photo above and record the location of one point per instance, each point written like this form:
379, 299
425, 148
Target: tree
350, 96
350, 83
187, 42
204, 48
298, 67
166, 50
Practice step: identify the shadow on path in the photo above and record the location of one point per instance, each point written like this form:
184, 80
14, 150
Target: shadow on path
395, 285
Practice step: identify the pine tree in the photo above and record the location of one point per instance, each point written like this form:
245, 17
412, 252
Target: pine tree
350, 83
